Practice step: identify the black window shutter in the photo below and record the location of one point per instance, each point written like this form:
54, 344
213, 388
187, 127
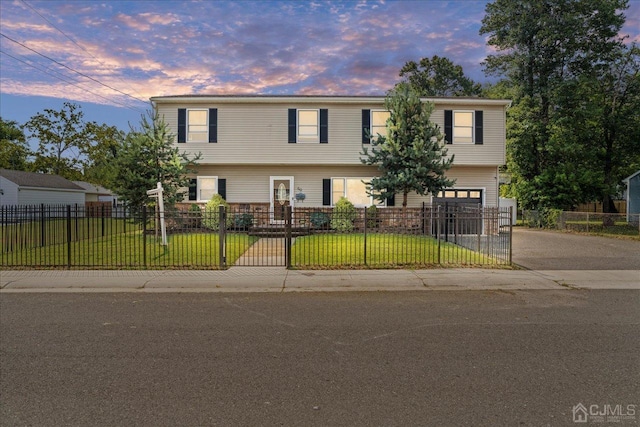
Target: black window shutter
182, 125
448, 126
324, 126
366, 126
326, 192
391, 201
193, 189
292, 125
222, 188
479, 126
213, 125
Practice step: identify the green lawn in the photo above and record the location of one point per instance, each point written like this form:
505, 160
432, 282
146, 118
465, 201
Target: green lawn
54, 231
383, 250
130, 250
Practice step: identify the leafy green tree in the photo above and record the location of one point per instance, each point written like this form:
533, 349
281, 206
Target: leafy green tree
101, 154
62, 138
147, 156
14, 151
411, 157
438, 76
543, 48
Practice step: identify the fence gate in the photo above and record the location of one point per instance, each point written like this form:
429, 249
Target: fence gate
261, 235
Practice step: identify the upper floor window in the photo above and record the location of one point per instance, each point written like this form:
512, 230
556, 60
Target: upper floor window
308, 125
463, 127
374, 122
197, 126
379, 122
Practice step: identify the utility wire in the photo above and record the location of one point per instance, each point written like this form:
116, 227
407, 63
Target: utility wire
72, 40
71, 69
70, 82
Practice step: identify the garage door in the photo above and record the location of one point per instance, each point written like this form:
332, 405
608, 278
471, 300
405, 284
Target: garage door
461, 212
458, 197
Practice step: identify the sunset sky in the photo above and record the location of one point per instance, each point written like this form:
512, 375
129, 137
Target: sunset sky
111, 56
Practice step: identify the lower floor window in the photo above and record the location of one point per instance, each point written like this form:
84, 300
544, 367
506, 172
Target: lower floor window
203, 188
354, 189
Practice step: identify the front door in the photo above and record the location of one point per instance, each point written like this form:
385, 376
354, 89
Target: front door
281, 196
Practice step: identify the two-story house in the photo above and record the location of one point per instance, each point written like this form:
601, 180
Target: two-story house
265, 150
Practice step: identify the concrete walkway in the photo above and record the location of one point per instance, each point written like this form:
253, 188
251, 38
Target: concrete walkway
265, 251
277, 279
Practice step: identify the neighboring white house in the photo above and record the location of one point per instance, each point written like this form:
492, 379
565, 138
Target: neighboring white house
30, 188
96, 193
633, 196
259, 149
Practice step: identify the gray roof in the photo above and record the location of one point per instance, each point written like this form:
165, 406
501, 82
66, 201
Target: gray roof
93, 188
39, 180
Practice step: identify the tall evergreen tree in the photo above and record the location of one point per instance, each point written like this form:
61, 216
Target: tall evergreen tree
147, 157
411, 156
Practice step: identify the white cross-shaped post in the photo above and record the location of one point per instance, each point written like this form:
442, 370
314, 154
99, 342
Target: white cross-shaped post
157, 194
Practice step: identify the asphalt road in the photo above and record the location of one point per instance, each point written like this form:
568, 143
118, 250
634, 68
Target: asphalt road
407, 358
553, 250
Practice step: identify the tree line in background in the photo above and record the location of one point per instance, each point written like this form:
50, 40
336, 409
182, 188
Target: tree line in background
573, 130
128, 163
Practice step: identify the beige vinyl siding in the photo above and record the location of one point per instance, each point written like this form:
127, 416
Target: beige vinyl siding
256, 133
492, 151
250, 183
483, 178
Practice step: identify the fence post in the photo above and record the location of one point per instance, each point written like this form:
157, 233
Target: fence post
439, 216
587, 222
222, 228
43, 228
365, 235
69, 236
287, 228
510, 235
144, 235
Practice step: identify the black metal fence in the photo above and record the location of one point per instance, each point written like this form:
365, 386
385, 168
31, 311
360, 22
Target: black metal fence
81, 237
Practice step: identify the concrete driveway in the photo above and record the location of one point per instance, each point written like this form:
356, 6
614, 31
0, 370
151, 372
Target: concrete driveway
551, 250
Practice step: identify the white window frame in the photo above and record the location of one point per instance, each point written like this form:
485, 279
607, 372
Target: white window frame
206, 126
199, 188
366, 180
374, 135
311, 139
473, 127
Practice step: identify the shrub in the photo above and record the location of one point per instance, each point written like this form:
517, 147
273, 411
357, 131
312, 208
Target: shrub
372, 216
193, 216
211, 217
545, 218
319, 219
243, 221
344, 214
